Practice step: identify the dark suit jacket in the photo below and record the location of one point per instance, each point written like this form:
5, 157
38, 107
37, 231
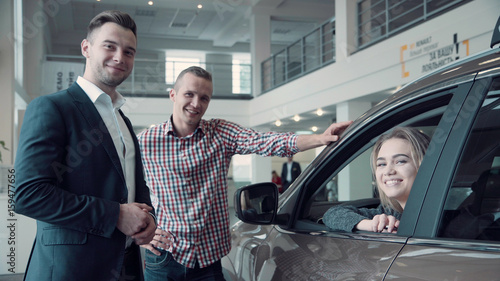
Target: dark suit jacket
295, 173
70, 180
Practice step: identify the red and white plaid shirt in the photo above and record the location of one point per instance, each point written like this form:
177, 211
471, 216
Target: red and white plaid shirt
187, 178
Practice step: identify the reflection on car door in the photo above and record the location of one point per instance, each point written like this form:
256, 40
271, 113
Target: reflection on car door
306, 256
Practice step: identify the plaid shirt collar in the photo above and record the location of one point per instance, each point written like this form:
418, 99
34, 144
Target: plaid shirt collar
169, 127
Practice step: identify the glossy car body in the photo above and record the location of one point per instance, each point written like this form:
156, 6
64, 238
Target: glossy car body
450, 229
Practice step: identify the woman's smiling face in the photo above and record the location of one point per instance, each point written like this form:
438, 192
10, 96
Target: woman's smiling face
395, 169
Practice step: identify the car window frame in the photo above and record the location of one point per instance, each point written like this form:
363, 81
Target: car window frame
430, 218
377, 126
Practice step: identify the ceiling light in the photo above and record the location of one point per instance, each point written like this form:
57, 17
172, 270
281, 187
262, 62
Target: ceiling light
314, 128
150, 3
296, 118
277, 123
319, 112
199, 6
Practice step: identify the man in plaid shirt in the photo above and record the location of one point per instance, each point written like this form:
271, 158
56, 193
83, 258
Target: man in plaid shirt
186, 160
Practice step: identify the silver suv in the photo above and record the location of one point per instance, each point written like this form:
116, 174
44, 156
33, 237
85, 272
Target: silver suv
283, 238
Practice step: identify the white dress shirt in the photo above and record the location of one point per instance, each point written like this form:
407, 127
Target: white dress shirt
117, 128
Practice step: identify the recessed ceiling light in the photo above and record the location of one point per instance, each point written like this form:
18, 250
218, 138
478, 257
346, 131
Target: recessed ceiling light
314, 128
150, 3
296, 118
277, 123
319, 112
200, 6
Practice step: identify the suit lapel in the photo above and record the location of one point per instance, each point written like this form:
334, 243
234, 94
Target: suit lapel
91, 115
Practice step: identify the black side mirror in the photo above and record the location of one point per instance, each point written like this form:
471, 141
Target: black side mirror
257, 203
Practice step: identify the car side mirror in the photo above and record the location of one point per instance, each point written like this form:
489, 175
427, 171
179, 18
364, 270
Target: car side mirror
257, 203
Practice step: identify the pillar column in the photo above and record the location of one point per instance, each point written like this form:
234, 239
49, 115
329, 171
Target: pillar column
354, 181
345, 29
7, 80
260, 47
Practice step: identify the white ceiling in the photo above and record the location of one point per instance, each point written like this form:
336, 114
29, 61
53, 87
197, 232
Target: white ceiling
223, 22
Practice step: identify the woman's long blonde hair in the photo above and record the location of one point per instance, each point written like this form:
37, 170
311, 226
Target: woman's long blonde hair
418, 142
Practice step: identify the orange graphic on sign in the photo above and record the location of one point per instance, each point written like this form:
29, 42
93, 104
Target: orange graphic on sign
401, 59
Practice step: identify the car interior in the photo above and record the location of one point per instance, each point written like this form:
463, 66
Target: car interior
472, 209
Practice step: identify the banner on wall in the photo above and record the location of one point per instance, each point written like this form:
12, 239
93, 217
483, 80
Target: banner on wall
60, 75
427, 54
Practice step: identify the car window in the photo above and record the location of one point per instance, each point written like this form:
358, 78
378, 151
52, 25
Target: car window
472, 208
352, 183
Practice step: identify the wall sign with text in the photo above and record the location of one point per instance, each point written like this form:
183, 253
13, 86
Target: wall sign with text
427, 54
60, 75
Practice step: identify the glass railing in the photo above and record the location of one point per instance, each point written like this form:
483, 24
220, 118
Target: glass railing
307, 54
149, 77
381, 19
377, 20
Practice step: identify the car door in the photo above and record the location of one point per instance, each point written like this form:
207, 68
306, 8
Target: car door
300, 247
457, 234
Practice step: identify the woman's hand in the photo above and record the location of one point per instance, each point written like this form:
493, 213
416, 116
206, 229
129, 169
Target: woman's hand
379, 223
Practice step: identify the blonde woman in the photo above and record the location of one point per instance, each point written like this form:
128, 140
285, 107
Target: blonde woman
395, 161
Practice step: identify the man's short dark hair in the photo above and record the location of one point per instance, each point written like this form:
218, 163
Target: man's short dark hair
121, 18
196, 71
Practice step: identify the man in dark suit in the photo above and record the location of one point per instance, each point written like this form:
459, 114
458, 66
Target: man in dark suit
79, 169
289, 172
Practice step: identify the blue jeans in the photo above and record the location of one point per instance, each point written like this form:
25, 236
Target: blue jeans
164, 267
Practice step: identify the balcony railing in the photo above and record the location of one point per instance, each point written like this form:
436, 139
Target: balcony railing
307, 54
148, 78
381, 19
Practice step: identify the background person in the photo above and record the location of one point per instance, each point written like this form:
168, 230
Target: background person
395, 161
289, 172
186, 161
277, 180
78, 164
